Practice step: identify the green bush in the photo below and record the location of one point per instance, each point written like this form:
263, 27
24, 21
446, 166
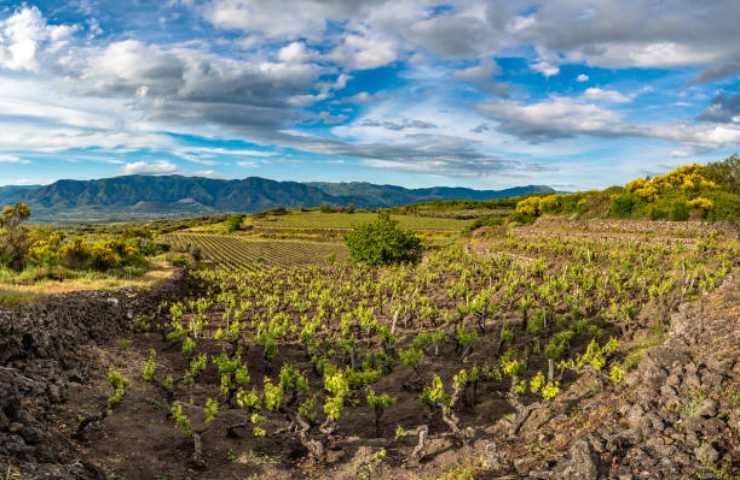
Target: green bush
486, 221
14, 239
726, 173
234, 222
522, 218
680, 211
382, 242
622, 205
326, 208
657, 213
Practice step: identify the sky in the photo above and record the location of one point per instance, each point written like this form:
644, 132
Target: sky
574, 94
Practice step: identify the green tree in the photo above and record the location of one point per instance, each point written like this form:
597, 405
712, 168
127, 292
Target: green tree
383, 242
234, 222
726, 173
14, 240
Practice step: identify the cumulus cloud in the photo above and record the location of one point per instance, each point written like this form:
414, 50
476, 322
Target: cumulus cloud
561, 117
557, 117
296, 52
725, 108
25, 34
160, 167
483, 75
67, 87
637, 33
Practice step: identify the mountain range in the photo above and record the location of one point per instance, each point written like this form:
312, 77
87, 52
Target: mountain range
140, 197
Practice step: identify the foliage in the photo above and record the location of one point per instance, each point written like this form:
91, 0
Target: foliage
726, 174
150, 366
119, 384
680, 211
181, 419
711, 190
530, 206
383, 242
622, 205
14, 239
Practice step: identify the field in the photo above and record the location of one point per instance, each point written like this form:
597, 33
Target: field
232, 252
343, 221
280, 357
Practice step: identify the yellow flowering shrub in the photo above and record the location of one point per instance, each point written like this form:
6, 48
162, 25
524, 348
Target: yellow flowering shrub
701, 203
530, 206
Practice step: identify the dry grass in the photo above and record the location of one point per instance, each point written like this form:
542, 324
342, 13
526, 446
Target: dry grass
11, 294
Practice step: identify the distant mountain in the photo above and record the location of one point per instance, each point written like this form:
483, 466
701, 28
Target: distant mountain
392, 196
136, 196
11, 193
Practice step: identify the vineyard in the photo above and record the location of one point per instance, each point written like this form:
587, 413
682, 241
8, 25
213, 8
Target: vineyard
331, 369
232, 253
345, 221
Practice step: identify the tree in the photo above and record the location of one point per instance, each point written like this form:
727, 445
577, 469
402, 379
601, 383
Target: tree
14, 240
383, 242
234, 222
725, 173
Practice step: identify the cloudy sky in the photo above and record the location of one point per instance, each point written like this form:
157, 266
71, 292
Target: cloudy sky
478, 93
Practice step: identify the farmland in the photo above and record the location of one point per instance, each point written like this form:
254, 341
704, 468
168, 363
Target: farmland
404, 371
343, 221
234, 253
529, 346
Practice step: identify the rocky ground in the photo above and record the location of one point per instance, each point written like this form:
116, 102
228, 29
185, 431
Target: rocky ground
40, 360
677, 414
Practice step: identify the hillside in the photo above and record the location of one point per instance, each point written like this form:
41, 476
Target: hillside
710, 192
132, 197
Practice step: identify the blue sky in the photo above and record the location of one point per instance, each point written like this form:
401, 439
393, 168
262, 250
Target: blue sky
478, 93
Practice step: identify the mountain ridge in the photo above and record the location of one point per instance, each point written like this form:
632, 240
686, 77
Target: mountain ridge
141, 196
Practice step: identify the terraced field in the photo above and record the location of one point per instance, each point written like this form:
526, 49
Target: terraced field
232, 253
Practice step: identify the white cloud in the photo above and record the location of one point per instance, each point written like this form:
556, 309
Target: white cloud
545, 68
360, 52
562, 117
13, 159
582, 78
146, 168
482, 75
613, 96
25, 33
296, 52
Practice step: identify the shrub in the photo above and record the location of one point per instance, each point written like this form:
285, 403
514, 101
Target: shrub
14, 241
622, 205
103, 256
486, 221
326, 208
234, 222
530, 207
522, 218
701, 203
680, 211
725, 173
75, 254
550, 203
45, 253
657, 213
383, 242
